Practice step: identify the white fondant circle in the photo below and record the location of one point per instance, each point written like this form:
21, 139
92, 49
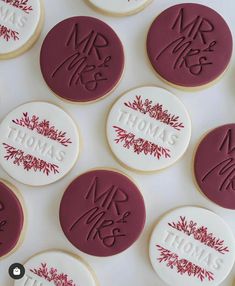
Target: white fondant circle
151, 135
19, 21
120, 7
192, 246
39, 143
61, 264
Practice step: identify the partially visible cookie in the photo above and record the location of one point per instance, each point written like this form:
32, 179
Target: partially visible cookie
39, 143
21, 22
189, 45
82, 59
214, 166
12, 219
148, 129
120, 7
56, 267
102, 212
192, 246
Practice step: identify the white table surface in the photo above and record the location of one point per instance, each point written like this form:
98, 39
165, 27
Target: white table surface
21, 81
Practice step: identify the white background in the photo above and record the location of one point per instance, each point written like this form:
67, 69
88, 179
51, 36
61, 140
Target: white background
21, 81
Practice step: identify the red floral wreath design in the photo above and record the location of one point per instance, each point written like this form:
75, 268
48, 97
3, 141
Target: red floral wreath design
140, 145
43, 127
52, 275
183, 266
28, 161
155, 111
199, 233
8, 34
20, 4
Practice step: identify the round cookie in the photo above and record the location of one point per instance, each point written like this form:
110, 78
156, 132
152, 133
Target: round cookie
102, 212
148, 129
12, 220
214, 166
192, 246
56, 268
21, 23
82, 59
39, 143
121, 7
189, 45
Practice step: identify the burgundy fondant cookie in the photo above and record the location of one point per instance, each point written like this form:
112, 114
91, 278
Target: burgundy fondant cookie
82, 59
11, 220
214, 166
189, 45
102, 212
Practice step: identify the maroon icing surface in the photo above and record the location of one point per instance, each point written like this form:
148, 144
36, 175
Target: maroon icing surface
102, 213
82, 59
214, 166
189, 45
11, 220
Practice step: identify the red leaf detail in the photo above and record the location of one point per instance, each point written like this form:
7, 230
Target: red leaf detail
183, 266
29, 162
20, 4
52, 275
199, 233
140, 145
8, 34
43, 127
155, 111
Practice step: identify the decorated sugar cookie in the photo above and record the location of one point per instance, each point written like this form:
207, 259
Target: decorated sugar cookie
192, 246
39, 143
148, 129
214, 166
56, 268
102, 212
121, 7
12, 219
20, 25
189, 45
82, 59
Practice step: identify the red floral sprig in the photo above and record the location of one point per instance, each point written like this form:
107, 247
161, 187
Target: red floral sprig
29, 162
183, 266
52, 275
140, 145
43, 127
199, 233
8, 34
155, 111
20, 4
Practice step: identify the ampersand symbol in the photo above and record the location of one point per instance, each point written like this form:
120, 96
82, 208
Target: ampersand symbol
92, 84
197, 68
2, 224
109, 241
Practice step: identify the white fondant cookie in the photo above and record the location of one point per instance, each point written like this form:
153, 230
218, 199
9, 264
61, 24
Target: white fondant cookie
20, 25
192, 246
120, 7
148, 129
39, 143
56, 268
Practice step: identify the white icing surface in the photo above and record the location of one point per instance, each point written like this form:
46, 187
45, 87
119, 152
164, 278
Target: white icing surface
35, 144
17, 20
63, 263
121, 7
194, 250
143, 126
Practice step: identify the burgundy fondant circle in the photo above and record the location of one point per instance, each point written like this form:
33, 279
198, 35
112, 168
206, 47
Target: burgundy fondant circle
82, 59
102, 213
214, 166
11, 220
189, 45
